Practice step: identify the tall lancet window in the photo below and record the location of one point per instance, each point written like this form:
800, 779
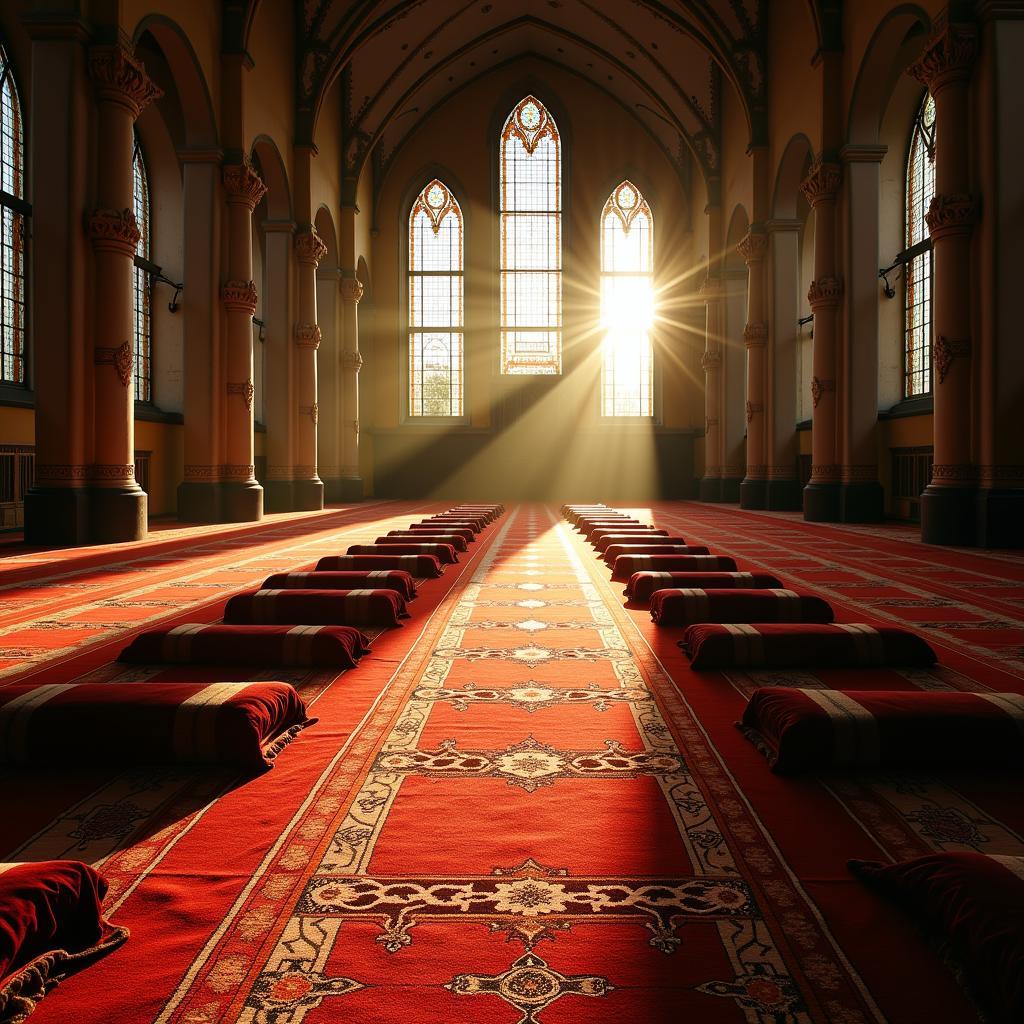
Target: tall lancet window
12, 230
627, 304
917, 257
435, 304
531, 241
143, 290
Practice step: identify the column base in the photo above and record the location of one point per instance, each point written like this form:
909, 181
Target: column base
822, 503
117, 514
279, 495
754, 494
1000, 518
56, 516
241, 502
949, 515
199, 503
862, 502
307, 495
710, 489
783, 496
350, 489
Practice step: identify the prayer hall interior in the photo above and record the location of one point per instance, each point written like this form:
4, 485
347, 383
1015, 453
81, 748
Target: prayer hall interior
510, 512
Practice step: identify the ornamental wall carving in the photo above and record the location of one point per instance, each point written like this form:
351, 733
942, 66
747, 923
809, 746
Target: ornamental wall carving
822, 182
945, 350
310, 248
312, 411
114, 230
112, 473
948, 57
819, 386
240, 296
826, 474
351, 289
352, 360
860, 474
121, 78
756, 471
121, 358
241, 472
304, 472
753, 246
825, 292
56, 473
1001, 476
244, 388
243, 185
965, 474
711, 360
951, 214
203, 474
307, 335
753, 408
781, 473
755, 335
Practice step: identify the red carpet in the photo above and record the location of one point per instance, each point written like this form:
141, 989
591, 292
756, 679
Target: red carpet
524, 806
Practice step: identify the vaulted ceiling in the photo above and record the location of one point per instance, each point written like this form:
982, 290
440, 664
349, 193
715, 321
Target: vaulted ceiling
667, 61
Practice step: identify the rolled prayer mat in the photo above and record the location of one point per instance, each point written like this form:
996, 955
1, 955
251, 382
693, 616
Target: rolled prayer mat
689, 605
656, 546
642, 584
317, 608
51, 926
421, 567
442, 552
196, 643
804, 645
626, 565
413, 537
600, 541
465, 532
590, 530
372, 579
803, 730
119, 724
476, 525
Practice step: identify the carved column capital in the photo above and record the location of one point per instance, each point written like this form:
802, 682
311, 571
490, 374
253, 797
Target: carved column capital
752, 247
822, 182
945, 350
712, 289
307, 335
709, 422
121, 78
310, 248
239, 295
819, 385
825, 293
312, 411
755, 335
243, 185
351, 289
948, 57
244, 388
753, 408
711, 360
114, 231
121, 358
951, 214
352, 361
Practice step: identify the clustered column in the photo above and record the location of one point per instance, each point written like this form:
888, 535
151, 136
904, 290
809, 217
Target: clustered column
242, 496
117, 505
948, 503
308, 488
753, 490
711, 361
351, 362
822, 494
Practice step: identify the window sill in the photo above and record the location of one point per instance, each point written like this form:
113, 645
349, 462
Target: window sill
920, 405
17, 396
151, 414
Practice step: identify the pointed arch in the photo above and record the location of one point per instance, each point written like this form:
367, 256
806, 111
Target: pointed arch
13, 356
436, 315
143, 292
627, 303
917, 255
530, 205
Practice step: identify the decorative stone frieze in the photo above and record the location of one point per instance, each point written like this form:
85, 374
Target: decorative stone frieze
243, 185
303, 471
951, 214
825, 292
239, 295
822, 182
830, 473
60, 474
860, 474
114, 231
945, 350
244, 388
121, 78
963, 473
819, 386
1001, 476
755, 335
121, 358
307, 335
948, 57
310, 248
201, 473
113, 473
241, 472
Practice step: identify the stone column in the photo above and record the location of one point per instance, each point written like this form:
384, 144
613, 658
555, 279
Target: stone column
351, 362
754, 489
948, 503
711, 361
241, 495
117, 505
329, 382
308, 488
825, 296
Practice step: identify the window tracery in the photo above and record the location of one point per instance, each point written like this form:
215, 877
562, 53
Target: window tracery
12, 230
436, 288
627, 303
143, 292
531, 241
918, 254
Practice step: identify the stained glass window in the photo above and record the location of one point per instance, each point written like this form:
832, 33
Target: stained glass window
12, 230
435, 304
917, 374
531, 241
143, 291
627, 304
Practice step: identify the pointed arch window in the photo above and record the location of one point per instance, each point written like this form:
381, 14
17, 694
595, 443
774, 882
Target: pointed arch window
13, 213
917, 257
627, 304
531, 241
436, 303
143, 286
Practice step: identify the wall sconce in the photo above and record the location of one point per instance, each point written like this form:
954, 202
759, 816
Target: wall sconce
901, 260
262, 325
804, 320
157, 276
